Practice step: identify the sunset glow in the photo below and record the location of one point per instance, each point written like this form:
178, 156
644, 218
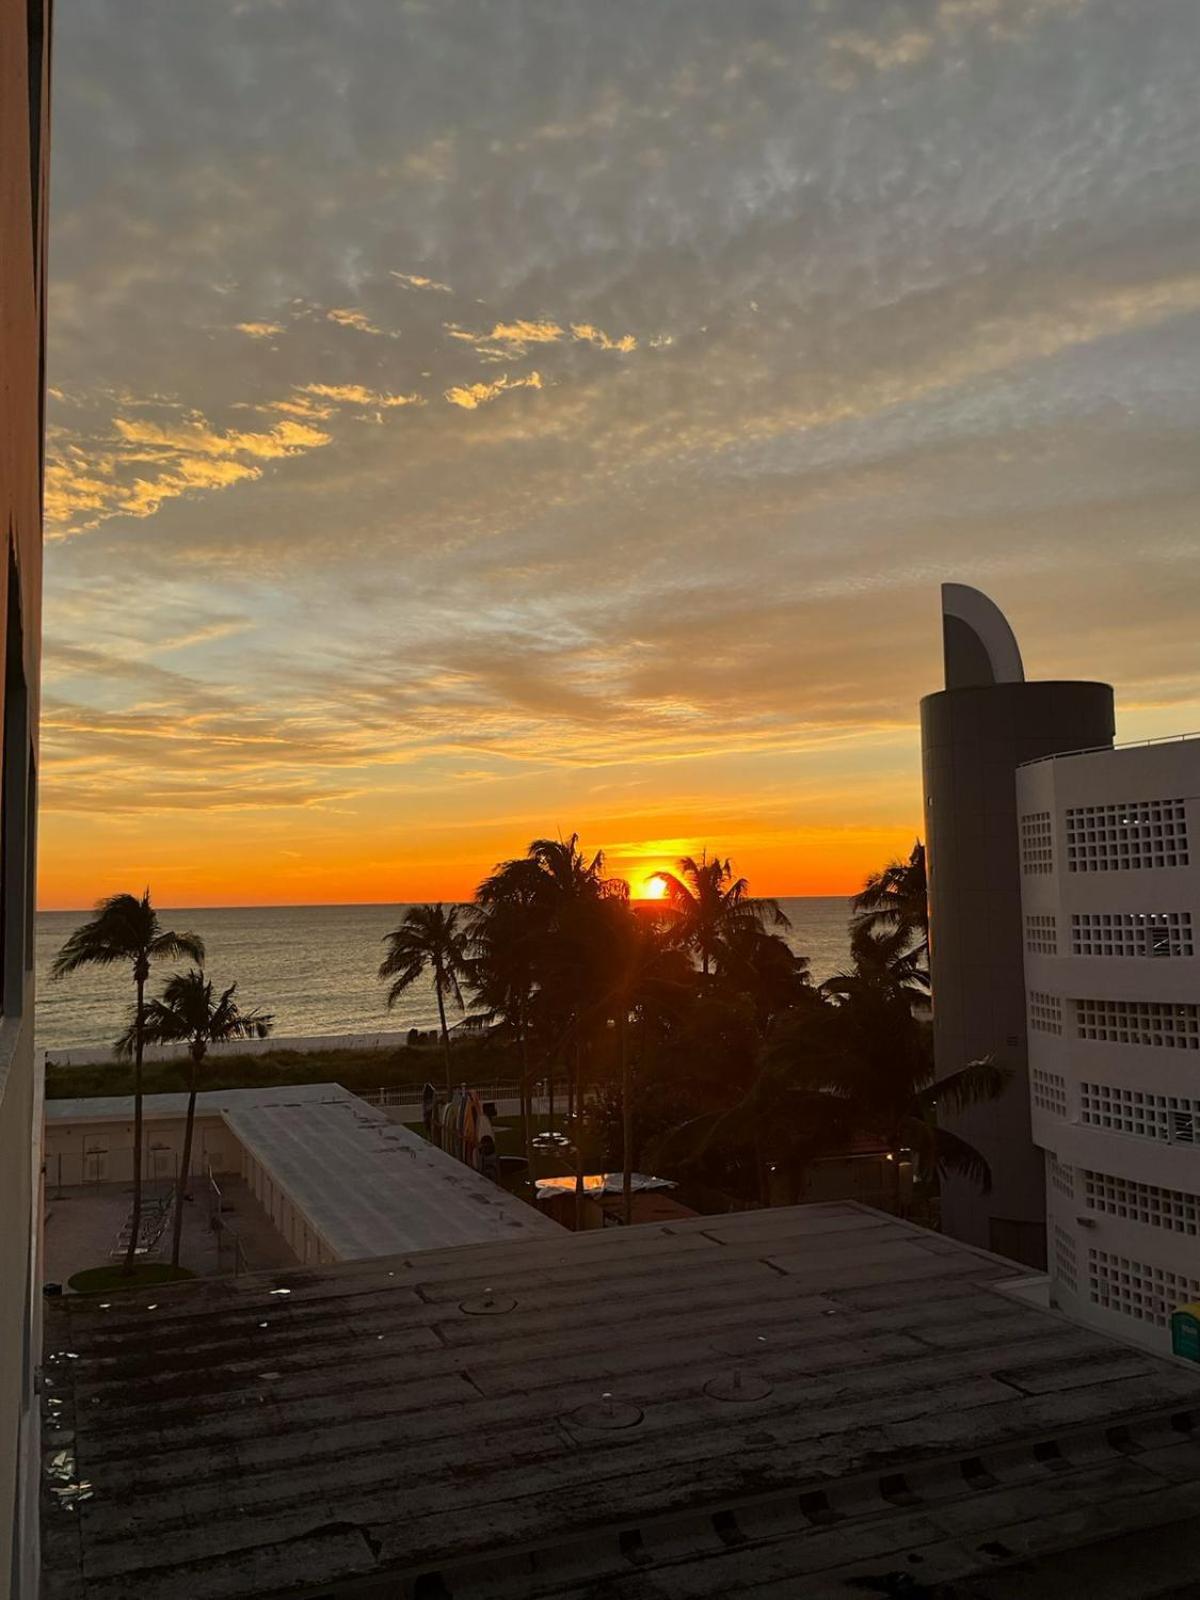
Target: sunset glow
555, 436
649, 889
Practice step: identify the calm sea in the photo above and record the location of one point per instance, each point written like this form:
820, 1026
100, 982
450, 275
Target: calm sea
313, 967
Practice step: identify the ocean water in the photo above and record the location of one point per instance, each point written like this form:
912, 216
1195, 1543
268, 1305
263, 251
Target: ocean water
312, 967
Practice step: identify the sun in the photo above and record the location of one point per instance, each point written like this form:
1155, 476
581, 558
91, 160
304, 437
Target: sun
652, 889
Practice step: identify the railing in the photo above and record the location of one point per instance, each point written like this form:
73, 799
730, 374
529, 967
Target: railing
225, 1234
409, 1094
1101, 749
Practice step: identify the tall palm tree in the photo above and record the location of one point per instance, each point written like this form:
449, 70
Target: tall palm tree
127, 930
891, 913
632, 972
522, 932
188, 1013
882, 1065
711, 905
432, 938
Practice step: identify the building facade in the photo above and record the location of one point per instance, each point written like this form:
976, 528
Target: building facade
1110, 892
974, 735
24, 77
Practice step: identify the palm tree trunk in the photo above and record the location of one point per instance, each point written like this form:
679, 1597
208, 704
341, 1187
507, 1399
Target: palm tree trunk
626, 1120
139, 1026
181, 1187
445, 1030
526, 1109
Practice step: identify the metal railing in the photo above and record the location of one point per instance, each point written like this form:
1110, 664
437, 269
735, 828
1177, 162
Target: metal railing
409, 1094
1107, 749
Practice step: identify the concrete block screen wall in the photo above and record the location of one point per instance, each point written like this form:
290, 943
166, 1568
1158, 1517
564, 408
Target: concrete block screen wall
1113, 1005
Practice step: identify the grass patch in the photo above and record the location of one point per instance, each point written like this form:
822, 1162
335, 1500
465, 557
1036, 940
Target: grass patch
102, 1280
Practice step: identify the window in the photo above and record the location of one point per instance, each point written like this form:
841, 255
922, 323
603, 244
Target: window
1045, 1012
1065, 1266
1049, 1092
1136, 833
1142, 1022
1061, 1176
1041, 935
1174, 1119
1132, 933
1037, 842
1145, 1293
1174, 1209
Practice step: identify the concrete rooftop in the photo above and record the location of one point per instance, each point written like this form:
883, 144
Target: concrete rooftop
209, 1102
816, 1401
374, 1188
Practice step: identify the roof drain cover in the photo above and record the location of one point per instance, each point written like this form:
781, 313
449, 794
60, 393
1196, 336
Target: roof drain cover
488, 1304
607, 1413
738, 1385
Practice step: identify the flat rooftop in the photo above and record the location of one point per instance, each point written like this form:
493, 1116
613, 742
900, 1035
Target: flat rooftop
209, 1102
373, 1187
817, 1400
368, 1186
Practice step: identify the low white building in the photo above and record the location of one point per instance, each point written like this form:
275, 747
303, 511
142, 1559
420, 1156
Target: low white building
1110, 878
339, 1180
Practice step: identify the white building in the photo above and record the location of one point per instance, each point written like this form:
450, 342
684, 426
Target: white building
338, 1179
1110, 889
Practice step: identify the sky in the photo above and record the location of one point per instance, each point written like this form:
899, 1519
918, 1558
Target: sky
473, 421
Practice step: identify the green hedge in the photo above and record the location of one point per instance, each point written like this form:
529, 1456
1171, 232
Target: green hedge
103, 1280
356, 1070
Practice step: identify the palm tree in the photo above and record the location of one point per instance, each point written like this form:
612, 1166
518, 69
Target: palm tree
187, 1013
891, 914
521, 937
711, 905
885, 1067
434, 938
126, 929
631, 974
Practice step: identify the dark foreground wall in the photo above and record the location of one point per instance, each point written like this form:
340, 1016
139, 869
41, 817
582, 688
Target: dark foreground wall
24, 72
972, 742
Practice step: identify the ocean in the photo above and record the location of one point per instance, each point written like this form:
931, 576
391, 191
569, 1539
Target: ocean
312, 967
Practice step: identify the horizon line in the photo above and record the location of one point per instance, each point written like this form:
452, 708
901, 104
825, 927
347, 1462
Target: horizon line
358, 905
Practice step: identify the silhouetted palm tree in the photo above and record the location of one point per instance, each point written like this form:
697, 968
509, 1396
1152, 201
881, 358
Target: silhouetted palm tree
432, 938
890, 921
882, 1064
631, 972
127, 930
522, 936
188, 1014
711, 905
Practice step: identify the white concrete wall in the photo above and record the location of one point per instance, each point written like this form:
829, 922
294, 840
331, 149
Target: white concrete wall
306, 1242
1094, 1250
101, 1151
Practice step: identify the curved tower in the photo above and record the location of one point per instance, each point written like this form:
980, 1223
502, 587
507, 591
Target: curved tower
974, 734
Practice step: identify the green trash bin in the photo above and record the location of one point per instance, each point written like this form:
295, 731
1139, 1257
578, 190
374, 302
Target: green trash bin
1185, 1332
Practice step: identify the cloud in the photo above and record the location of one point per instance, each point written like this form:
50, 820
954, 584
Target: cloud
351, 317
412, 281
259, 330
810, 354
358, 394
185, 456
471, 396
592, 335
